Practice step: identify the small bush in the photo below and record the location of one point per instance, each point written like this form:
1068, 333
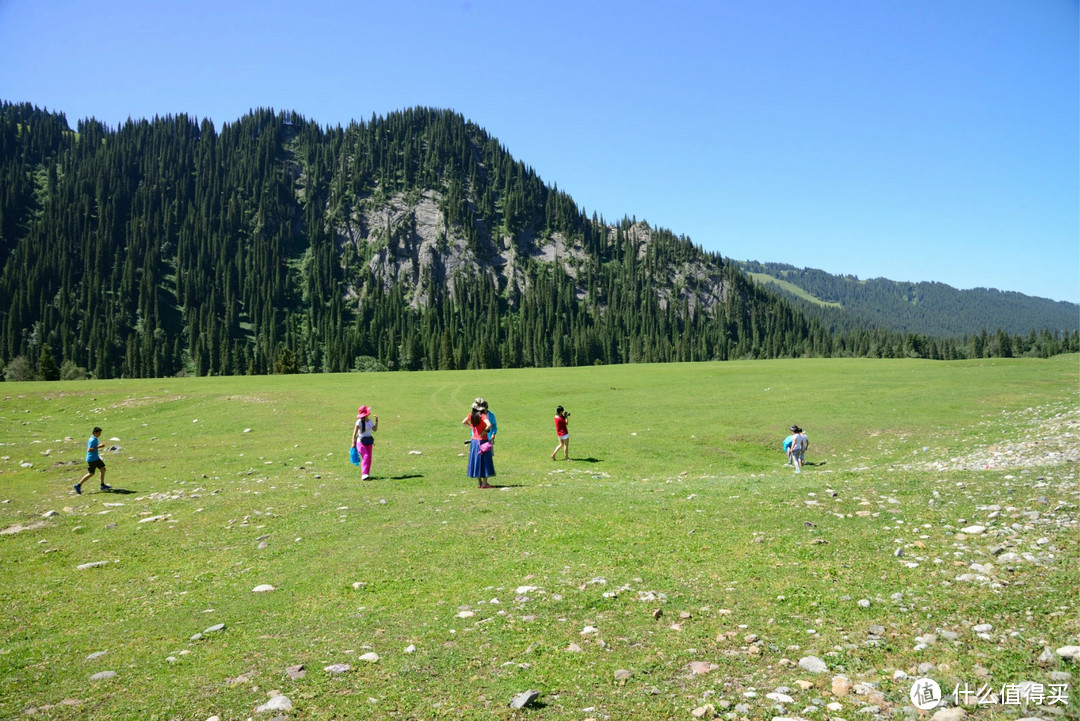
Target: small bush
368, 364
71, 372
19, 369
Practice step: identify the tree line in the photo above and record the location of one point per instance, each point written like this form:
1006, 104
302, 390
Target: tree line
167, 246
928, 308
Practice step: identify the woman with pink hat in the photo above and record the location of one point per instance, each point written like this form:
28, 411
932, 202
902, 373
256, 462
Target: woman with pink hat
363, 440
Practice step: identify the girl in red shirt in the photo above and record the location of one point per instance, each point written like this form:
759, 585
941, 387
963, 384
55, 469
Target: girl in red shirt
563, 434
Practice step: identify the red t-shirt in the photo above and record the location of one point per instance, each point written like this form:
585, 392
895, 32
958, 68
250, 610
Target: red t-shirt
479, 433
560, 426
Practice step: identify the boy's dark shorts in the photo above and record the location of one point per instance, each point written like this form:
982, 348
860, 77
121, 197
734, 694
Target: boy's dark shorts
92, 466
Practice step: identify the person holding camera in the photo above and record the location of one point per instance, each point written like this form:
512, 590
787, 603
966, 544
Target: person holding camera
363, 440
561, 431
481, 466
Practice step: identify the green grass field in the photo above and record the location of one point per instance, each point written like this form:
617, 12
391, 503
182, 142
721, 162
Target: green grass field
675, 562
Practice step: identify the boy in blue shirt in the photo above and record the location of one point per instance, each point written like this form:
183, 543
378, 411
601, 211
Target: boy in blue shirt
93, 462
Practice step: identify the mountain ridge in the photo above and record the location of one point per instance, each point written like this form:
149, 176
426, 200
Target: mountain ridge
927, 307
412, 241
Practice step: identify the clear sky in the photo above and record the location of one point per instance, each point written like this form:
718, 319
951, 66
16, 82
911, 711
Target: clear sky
907, 139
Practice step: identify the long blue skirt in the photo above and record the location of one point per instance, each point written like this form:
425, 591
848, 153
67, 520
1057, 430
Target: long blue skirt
481, 465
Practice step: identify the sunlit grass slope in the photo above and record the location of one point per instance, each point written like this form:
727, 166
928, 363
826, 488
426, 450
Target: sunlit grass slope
676, 499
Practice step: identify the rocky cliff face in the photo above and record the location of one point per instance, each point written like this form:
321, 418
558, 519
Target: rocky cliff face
407, 241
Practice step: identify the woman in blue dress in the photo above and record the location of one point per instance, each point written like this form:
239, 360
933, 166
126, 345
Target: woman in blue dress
481, 465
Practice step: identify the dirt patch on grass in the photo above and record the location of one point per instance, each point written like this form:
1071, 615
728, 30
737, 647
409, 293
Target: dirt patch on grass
19, 528
247, 399
145, 401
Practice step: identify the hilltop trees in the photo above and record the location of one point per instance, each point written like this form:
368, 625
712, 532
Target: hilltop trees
168, 246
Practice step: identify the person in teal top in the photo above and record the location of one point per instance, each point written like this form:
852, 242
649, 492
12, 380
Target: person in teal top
93, 462
787, 447
491, 419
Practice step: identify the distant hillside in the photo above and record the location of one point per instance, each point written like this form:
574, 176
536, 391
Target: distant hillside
412, 241
928, 308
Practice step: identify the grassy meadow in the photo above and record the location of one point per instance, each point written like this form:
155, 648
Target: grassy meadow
675, 563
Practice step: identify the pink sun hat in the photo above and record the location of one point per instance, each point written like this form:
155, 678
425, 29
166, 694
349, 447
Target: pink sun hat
363, 412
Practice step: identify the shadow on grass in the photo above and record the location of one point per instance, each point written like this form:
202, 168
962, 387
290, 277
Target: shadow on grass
403, 477
507, 485
121, 491
590, 459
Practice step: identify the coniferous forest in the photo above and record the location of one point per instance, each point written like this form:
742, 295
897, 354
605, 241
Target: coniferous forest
924, 307
411, 241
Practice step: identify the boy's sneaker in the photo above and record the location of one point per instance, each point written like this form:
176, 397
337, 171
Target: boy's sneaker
78, 489
106, 487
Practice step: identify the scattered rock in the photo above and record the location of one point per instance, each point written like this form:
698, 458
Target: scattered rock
982, 628
841, 686
370, 657
263, 588
50, 514
622, 674
95, 654
700, 667
95, 564
949, 714
524, 699
296, 672
573, 648
410, 649
813, 664
704, 712
103, 675
277, 703
336, 669
779, 697
1069, 652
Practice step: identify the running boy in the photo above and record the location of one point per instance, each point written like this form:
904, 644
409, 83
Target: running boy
93, 462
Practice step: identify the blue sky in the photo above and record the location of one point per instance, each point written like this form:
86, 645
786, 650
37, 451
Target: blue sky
910, 139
